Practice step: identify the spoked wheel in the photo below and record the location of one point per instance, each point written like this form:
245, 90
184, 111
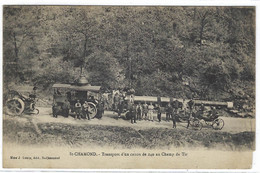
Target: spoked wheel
92, 110
14, 106
36, 111
196, 124
218, 124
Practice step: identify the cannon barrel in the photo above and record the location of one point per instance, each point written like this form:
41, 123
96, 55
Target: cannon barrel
168, 99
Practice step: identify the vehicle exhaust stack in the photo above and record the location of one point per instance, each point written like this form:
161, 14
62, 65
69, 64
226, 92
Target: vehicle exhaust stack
81, 81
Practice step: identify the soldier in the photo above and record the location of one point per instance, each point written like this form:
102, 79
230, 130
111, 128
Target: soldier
175, 112
120, 106
105, 100
176, 106
159, 114
214, 113
78, 109
66, 108
174, 116
85, 110
191, 104
145, 111
168, 112
132, 98
150, 112
139, 111
132, 111
100, 110
116, 101
55, 110
184, 106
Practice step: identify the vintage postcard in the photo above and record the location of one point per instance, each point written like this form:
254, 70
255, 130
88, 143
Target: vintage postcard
129, 87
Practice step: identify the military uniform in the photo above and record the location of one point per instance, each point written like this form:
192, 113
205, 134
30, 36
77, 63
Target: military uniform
85, 110
139, 110
100, 110
175, 112
120, 106
66, 108
191, 104
159, 113
145, 111
78, 110
168, 112
132, 111
150, 112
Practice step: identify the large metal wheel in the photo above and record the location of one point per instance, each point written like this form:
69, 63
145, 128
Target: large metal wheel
218, 124
14, 106
196, 124
92, 110
37, 111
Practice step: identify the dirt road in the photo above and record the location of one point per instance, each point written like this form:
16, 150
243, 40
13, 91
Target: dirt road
43, 129
232, 125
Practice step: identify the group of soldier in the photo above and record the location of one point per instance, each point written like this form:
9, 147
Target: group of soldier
138, 111
146, 111
174, 110
82, 110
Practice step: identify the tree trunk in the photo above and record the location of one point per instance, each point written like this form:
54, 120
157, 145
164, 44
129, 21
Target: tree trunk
15, 48
202, 27
84, 55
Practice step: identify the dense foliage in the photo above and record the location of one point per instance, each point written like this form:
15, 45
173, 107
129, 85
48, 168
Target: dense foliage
205, 52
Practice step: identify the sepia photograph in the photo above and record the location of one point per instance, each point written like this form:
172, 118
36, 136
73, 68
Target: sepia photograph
129, 87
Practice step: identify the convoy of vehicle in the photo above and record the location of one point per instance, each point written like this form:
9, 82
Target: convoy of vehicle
18, 103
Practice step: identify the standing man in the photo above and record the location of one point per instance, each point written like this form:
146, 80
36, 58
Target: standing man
191, 104
120, 106
159, 113
66, 108
78, 109
176, 106
55, 110
85, 110
105, 100
175, 113
132, 111
150, 112
184, 106
139, 111
100, 110
214, 113
145, 111
174, 116
116, 101
168, 111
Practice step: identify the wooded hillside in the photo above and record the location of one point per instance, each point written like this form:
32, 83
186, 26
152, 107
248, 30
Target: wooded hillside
202, 52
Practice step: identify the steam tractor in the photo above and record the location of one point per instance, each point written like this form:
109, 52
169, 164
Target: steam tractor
79, 90
21, 100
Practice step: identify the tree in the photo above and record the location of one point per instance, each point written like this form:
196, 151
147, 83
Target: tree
20, 29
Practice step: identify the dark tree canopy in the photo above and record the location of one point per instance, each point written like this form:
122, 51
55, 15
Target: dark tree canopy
206, 52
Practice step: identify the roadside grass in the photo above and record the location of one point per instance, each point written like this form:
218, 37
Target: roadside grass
60, 134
